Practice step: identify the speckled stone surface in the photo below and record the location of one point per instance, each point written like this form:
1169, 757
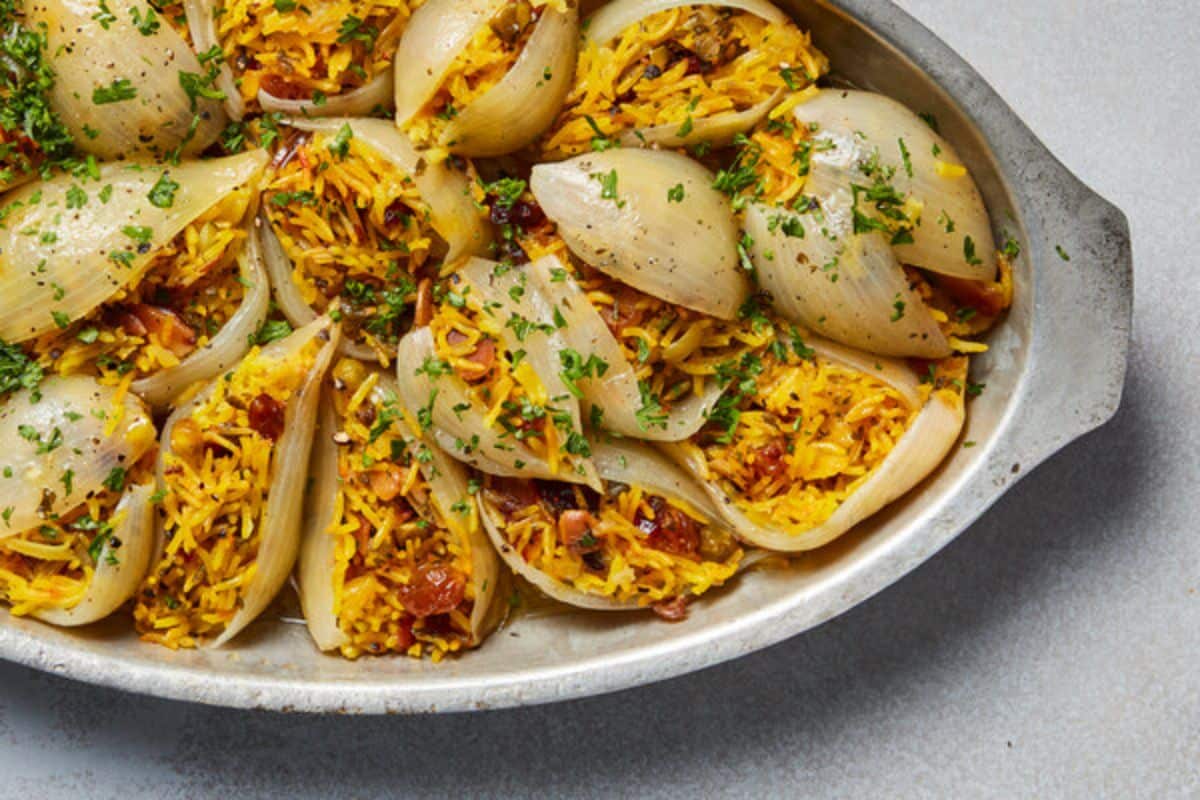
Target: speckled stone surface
1051, 651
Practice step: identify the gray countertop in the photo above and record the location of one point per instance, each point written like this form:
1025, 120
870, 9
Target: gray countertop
1051, 651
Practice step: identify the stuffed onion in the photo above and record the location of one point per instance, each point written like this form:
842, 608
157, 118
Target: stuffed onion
673, 73
650, 538
393, 559
811, 438
77, 526
865, 227
487, 378
232, 472
359, 225
144, 279
484, 77
318, 59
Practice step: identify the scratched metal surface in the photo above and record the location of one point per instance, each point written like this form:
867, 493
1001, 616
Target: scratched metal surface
1048, 651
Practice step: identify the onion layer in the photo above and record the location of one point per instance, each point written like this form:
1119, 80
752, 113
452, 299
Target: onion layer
74, 436
120, 564
79, 256
953, 235
617, 211
118, 88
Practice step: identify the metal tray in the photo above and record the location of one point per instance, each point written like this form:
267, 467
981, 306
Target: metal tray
1054, 372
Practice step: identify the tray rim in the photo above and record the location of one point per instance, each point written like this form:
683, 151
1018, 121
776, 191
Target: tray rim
1060, 209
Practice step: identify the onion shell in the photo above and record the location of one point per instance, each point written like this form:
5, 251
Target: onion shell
613, 210
448, 486
97, 428
63, 271
229, 344
90, 50
616, 392
119, 571
202, 26
921, 448
376, 93
844, 285
279, 542
954, 234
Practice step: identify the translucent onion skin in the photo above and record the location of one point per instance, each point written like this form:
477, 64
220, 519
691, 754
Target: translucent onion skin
90, 50
279, 544
861, 124
847, 286
97, 431
614, 211
447, 191
228, 346
613, 18
495, 452
448, 484
616, 392
81, 256
375, 94
514, 112
920, 450
619, 461
202, 25
119, 569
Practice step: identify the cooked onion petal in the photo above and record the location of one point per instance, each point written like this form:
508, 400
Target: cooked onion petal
77, 428
918, 452
615, 393
375, 94
202, 26
844, 285
279, 526
229, 344
954, 236
94, 48
120, 565
614, 210
58, 262
448, 485
458, 422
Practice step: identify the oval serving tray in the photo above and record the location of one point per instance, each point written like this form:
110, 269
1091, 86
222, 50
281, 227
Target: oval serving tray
1054, 372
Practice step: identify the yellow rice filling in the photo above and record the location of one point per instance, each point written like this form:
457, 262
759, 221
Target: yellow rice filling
306, 50
800, 435
217, 478
50, 567
468, 341
679, 67
19, 156
390, 537
482, 64
357, 233
191, 288
625, 554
